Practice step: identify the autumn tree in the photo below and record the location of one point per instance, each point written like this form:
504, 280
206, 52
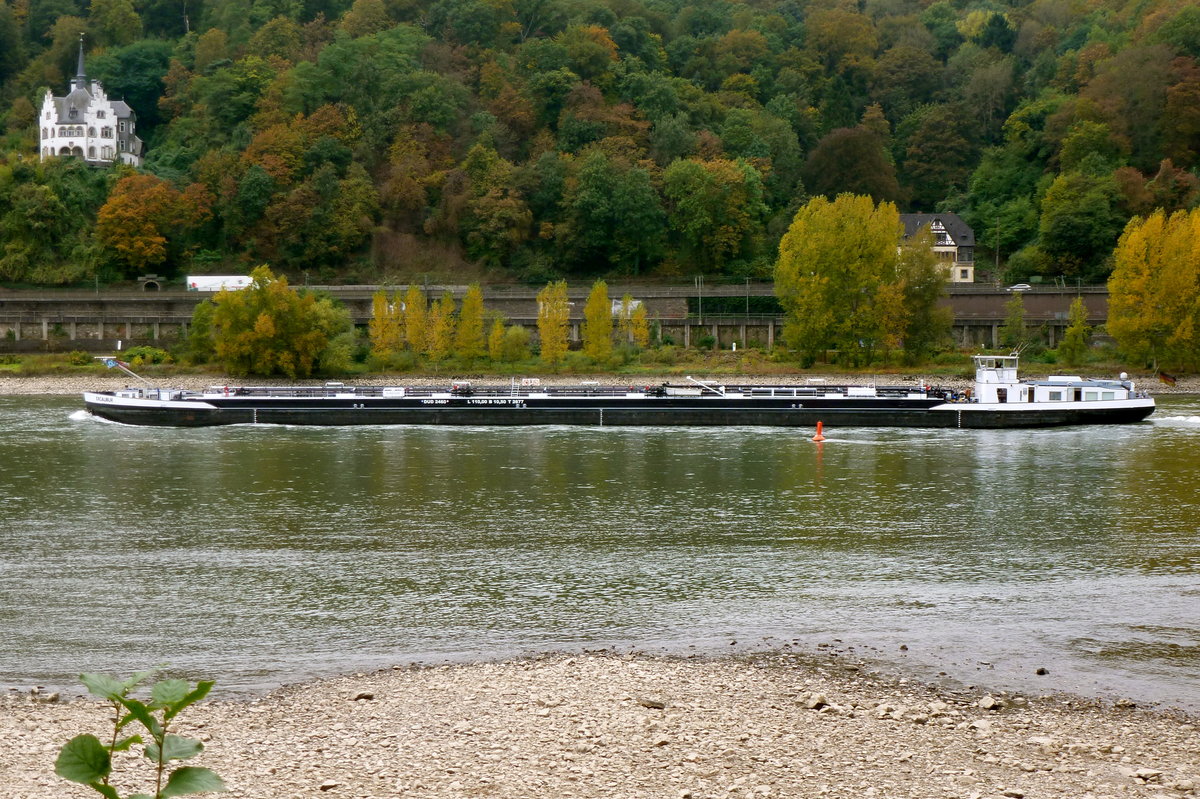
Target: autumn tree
598, 323
386, 328
552, 321
269, 328
416, 319
495, 340
145, 218
831, 264
1154, 291
625, 318
440, 341
468, 340
639, 326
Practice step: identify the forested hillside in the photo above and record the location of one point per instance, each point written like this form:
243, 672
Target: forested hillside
380, 140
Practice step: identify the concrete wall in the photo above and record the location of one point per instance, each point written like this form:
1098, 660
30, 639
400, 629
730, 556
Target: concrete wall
92, 321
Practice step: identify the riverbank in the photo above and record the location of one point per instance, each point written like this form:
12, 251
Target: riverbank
77, 384
609, 725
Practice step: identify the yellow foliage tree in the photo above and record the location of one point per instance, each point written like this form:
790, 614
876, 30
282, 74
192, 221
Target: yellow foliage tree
639, 326
386, 328
598, 323
832, 262
416, 319
1154, 290
441, 328
468, 340
269, 328
495, 342
554, 315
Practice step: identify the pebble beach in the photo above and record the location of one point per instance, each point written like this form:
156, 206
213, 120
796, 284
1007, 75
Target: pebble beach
604, 724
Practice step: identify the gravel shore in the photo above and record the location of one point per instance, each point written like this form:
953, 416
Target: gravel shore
610, 725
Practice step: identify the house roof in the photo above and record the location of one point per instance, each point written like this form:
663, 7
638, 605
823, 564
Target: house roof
957, 229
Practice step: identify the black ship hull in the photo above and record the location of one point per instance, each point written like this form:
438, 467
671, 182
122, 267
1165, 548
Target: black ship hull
645, 411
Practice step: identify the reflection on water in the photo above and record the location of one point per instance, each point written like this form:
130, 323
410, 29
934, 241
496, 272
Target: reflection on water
259, 555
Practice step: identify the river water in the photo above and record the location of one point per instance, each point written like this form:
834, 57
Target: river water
260, 555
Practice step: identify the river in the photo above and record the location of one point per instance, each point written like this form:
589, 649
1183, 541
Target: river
260, 555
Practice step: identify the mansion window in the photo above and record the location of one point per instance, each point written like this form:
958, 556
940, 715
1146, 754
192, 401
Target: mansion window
99, 115
92, 132
91, 152
106, 133
120, 127
106, 152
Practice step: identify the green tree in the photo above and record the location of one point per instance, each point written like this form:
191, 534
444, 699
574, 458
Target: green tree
716, 210
116, 21
1154, 291
1074, 344
852, 160
269, 328
598, 323
922, 284
552, 321
1012, 332
469, 341
1080, 222
831, 264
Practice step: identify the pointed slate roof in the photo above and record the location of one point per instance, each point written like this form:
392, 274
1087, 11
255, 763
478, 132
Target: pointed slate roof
955, 227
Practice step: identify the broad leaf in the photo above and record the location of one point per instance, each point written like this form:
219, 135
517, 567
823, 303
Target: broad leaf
175, 747
107, 791
199, 692
103, 686
168, 692
142, 714
191, 779
138, 677
83, 759
124, 744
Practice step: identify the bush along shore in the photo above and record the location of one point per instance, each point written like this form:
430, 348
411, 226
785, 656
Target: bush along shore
604, 724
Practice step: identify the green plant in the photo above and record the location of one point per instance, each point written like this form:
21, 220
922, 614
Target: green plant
139, 356
78, 358
86, 760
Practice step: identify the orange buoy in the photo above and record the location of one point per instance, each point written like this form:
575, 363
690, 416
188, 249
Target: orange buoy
819, 436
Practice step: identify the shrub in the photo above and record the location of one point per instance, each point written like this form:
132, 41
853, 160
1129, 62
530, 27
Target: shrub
78, 358
88, 761
140, 356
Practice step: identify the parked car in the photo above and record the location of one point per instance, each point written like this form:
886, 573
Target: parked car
1020, 287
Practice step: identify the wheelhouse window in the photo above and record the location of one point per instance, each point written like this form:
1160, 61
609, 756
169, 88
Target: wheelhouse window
1056, 396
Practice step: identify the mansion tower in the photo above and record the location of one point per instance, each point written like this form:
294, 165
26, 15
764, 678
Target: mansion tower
86, 124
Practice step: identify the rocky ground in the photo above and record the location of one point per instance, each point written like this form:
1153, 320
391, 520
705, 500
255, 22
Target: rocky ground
609, 725
75, 384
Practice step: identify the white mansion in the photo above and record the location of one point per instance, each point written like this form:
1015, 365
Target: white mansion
88, 125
